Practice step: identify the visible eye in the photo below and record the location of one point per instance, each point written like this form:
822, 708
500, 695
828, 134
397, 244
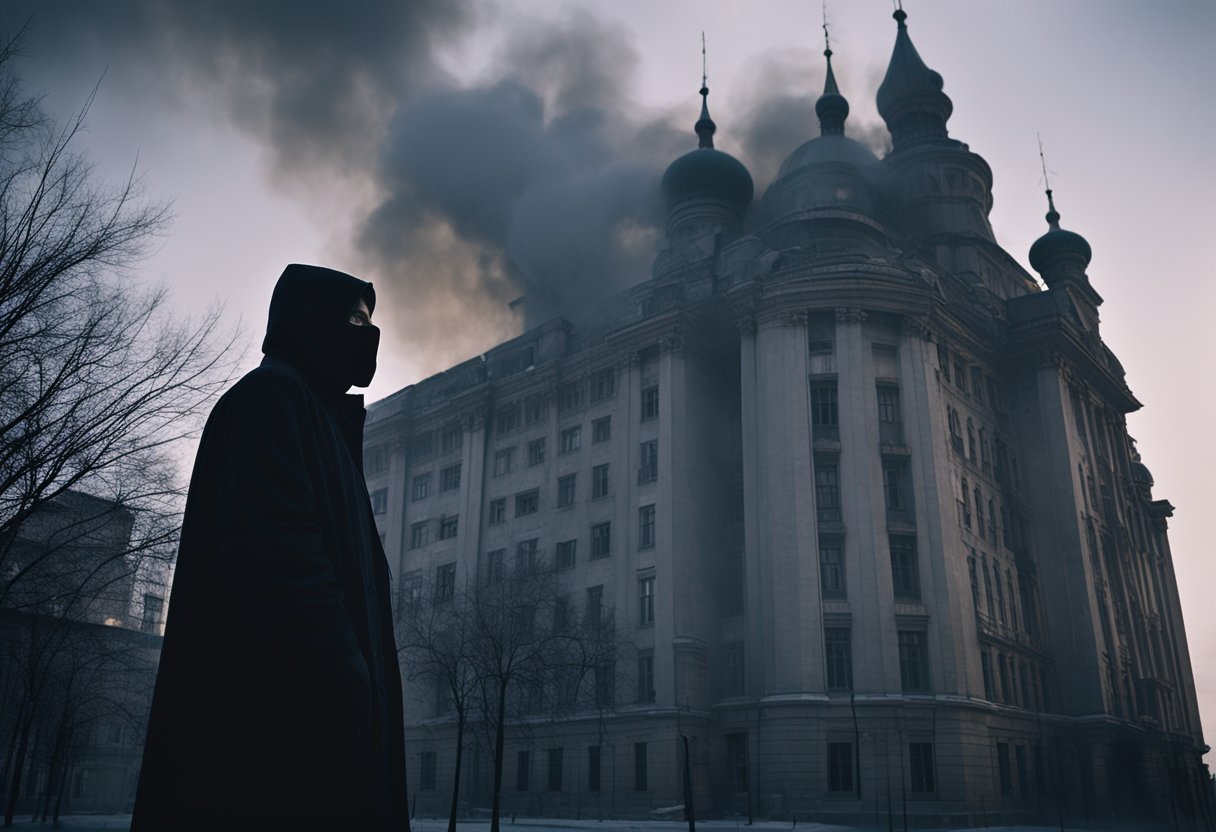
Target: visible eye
360, 319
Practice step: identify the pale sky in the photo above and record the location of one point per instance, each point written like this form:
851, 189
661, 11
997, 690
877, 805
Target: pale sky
1116, 89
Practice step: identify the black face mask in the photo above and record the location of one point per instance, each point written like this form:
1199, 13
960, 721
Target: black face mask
359, 346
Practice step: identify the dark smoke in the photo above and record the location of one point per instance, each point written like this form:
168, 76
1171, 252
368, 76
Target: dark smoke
541, 181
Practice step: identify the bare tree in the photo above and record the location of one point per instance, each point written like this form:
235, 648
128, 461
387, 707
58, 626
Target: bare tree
98, 386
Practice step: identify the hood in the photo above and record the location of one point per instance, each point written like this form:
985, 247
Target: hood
309, 325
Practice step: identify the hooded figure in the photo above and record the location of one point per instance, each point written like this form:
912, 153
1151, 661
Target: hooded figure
278, 699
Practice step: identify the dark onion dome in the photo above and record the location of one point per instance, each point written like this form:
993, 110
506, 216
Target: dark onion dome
830, 170
1059, 248
910, 98
706, 173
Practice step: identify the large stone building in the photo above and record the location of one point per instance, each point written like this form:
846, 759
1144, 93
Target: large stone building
854, 485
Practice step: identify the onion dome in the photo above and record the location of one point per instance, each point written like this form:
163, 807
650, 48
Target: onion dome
830, 171
1059, 254
706, 173
910, 98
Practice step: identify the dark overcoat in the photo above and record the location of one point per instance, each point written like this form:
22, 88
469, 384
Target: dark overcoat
278, 700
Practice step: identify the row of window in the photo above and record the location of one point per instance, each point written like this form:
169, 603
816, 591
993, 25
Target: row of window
571, 396
970, 379
842, 766
825, 411
423, 446
555, 769
905, 568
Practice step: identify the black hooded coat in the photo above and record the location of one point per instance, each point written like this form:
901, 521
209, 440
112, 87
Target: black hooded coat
278, 698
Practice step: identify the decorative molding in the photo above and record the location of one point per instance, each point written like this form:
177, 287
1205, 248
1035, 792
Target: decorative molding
797, 317
850, 315
918, 325
674, 341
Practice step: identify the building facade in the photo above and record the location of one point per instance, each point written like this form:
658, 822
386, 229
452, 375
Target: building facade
856, 489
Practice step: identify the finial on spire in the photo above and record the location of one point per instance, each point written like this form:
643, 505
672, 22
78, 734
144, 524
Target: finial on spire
827, 42
832, 108
900, 15
705, 127
1053, 216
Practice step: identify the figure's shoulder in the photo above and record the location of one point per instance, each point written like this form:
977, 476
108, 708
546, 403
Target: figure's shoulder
267, 388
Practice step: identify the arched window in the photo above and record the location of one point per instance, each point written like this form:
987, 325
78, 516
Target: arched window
971, 438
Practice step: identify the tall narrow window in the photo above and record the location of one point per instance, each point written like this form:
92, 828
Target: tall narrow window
913, 661
422, 487
825, 423
565, 491
827, 492
648, 467
565, 554
601, 540
889, 428
650, 403
736, 762
831, 567
646, 600
840, 767
905, 577
593, 768
920, 761
599, 481
601, 430
838, 653
646, 527
894, 488
555, 769
536, 451
603, 384
639, 767
522, 771
732, 669
445, 582
646, 677
1003, 769
595, 605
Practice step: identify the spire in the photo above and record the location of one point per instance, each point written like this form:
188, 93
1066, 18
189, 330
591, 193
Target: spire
705, 126
832, 108
910, 98
1060, 256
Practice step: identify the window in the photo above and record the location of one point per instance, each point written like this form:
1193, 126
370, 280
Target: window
452, 437
960, 375
1000, 594
646, 601
648, 470
601, 430
956, 428
646, 677
380, 501
975, 586
154, 607
555, 769
605, 683
989, 687
522, 766
420, 534
599, 481
736, 762
527, 502
566, 550
566, 491
495, 566
646, 527
571, 439
507, 418
561, 624
831, 567
893, 487
422, 487
1019, 753
569, 396
1002, 760
888, 415
536, 451
445, 582
979, 512
639, 766
375, 460
527, 557
992, 521
824, 415
448, 527
905, 577
732, 669
650, 403
838, 654
428, 770
920, 761
840, 767
536, 408
977, 384
503, 458
601, 540
913, 661
593, 768
449, 478
595, 605
422, 446
827, 492
971, 440
966, 505
943, 360
498, 511
603, 384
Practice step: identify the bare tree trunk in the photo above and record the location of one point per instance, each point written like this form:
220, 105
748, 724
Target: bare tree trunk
499, 738
460, 719
18, 765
